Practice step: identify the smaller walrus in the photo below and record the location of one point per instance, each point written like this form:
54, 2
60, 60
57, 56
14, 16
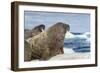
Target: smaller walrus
31, 33
48, 43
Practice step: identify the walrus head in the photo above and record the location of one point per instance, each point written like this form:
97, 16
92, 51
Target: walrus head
38, 29
56, 34
59, 29
35, 31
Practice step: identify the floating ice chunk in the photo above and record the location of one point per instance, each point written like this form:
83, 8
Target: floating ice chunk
69, 35
68, 50
80, 42
81, 36
87, 34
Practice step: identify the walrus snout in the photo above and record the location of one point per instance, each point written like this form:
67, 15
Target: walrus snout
67, 27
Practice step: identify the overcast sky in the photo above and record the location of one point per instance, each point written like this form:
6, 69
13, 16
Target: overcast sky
78, 22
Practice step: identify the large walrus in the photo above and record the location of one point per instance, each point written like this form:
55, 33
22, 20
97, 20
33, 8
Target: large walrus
48, 43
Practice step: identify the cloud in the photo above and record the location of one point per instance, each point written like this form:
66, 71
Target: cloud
77, 21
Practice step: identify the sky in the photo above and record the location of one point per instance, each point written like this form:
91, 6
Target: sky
79, 22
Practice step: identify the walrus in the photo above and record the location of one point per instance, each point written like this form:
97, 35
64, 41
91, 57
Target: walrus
35, 31
28, 34
48, 43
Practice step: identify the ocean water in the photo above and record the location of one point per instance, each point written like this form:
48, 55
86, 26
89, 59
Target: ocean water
78, 42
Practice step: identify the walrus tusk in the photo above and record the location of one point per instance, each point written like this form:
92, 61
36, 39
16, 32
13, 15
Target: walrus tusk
42, 30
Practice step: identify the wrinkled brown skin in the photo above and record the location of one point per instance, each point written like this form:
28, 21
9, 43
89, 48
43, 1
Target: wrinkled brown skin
46, 46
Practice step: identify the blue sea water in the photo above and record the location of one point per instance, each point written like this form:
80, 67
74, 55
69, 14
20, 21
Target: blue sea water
79, 42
